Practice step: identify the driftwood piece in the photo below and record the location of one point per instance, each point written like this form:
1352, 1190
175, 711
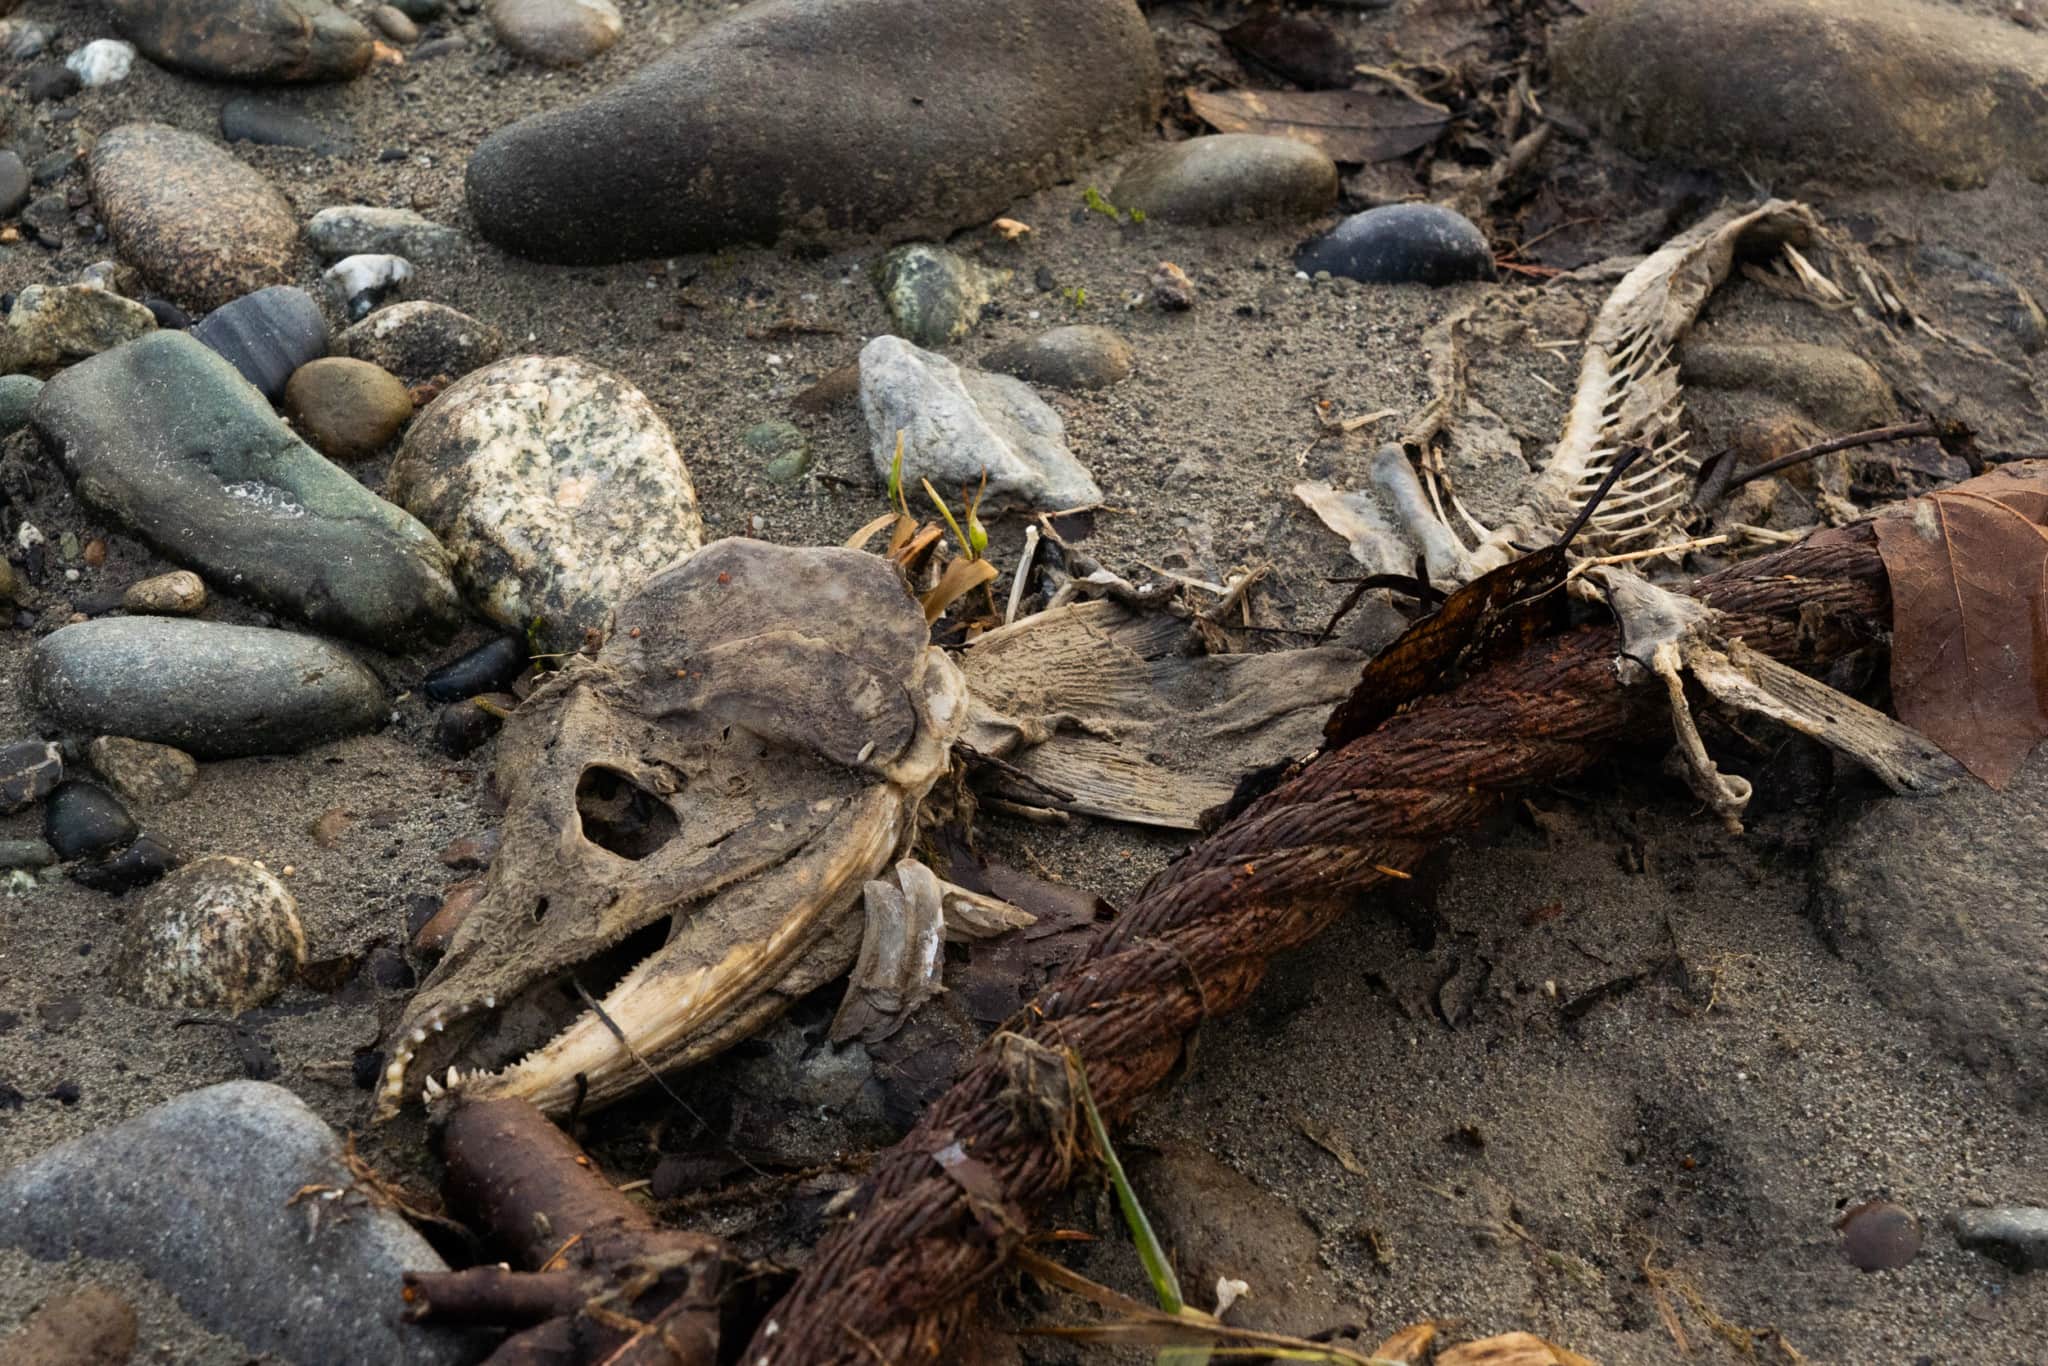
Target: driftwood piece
602, 1280
896, 1282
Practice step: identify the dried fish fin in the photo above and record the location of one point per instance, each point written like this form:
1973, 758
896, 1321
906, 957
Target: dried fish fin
1906, 761
1357, 516
900, 960
1102, 702
1670, 635
901, 964
975, 915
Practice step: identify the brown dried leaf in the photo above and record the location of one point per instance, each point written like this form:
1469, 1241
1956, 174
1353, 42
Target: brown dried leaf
961, 577
1408, 1345
1351, 125
1510, 1349
1293, 47
1969, 579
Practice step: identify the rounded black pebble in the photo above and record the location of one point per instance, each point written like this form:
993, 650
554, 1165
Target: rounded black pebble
267, 335
140, 864
1397, 244
490, 667
29, 771
50, 81
167, 314
464, 726
66, 1093
82, 819
385, 969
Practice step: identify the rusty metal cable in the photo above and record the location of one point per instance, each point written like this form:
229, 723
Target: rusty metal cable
896, 1283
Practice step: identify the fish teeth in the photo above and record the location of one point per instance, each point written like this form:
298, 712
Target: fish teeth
454, 1078
419, 1036
433, 1090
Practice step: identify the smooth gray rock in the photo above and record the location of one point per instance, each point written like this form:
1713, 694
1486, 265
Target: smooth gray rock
1937, 901
212, 690
820, 120
33, 853
267, 335
1077, 357
198, 1194
54, 325
557, 488
274, 123
200, 225
247, 40
420, 339
164, 436
2016, 1235
14, 183
361, 229
934, 296
958, 424
1422, 244
1229, 178
1847, 91
17, 397
23, 40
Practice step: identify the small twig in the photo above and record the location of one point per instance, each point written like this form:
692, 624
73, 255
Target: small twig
1022, 574
1414, 585
1630, 557
1898, 431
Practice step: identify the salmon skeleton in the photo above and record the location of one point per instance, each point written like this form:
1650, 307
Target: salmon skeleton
690, 819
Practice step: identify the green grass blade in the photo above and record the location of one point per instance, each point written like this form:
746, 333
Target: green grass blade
1164, 1283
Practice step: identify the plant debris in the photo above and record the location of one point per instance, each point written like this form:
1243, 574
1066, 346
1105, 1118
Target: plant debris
1969, 571
1353, 126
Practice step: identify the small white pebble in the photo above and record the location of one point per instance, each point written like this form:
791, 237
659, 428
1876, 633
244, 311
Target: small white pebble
102, 62
288, 870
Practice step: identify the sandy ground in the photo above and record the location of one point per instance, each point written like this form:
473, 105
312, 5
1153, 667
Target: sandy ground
1518, 1169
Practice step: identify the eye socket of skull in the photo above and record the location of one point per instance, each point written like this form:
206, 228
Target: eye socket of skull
620, 816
